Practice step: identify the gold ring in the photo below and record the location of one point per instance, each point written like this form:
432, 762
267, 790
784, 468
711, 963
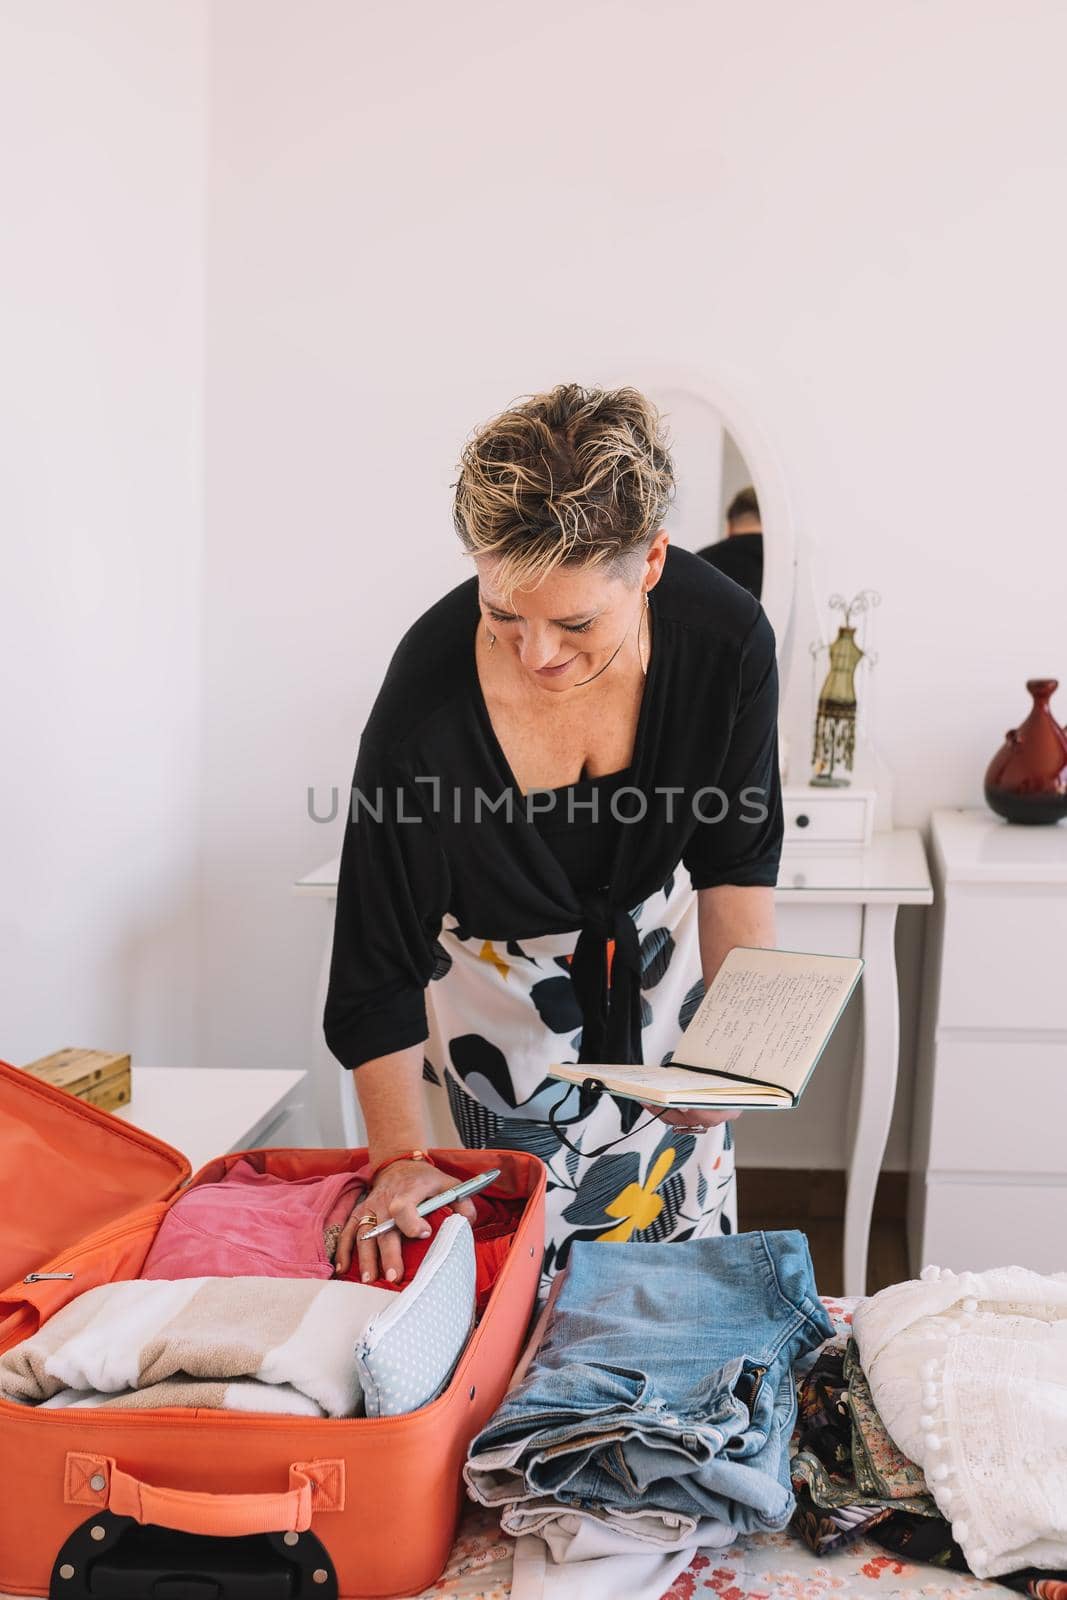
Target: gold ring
370, 1220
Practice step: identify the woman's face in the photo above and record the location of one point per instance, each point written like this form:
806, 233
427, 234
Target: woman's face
567, 627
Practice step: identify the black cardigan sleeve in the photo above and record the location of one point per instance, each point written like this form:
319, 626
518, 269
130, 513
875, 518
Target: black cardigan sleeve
392, 892
745, 847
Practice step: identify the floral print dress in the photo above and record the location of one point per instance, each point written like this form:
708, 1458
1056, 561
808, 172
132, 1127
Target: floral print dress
500, 1013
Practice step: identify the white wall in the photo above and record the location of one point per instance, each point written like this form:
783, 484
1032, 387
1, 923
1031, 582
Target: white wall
102, 127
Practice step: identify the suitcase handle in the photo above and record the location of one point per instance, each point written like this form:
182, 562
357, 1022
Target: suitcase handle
313, 1486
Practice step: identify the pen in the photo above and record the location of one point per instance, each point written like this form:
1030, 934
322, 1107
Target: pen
445, 1198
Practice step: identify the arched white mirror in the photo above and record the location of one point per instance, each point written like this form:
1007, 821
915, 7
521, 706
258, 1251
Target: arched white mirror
718, 455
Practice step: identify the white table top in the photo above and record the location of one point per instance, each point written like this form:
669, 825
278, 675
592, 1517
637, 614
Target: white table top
322, 882
891, 869
206, 1111
974, 845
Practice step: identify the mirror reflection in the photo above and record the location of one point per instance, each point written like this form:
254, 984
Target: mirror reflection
739, 553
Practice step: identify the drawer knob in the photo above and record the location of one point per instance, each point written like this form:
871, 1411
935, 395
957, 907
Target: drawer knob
803, 820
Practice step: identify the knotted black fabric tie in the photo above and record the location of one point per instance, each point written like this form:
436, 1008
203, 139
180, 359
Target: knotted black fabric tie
611, 1012
611, 1027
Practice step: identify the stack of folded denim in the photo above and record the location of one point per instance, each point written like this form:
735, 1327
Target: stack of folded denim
658, 1408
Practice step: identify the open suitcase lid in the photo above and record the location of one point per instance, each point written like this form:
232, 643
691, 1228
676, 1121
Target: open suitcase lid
66, 1169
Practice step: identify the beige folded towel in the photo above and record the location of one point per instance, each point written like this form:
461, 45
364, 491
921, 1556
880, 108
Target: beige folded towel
124, 1338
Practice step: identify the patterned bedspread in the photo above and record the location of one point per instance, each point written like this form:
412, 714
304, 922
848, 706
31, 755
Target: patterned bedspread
772, 1566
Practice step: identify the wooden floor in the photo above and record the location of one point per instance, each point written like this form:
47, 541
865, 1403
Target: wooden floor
814, 1202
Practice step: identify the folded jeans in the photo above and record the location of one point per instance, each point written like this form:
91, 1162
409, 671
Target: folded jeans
663, 1385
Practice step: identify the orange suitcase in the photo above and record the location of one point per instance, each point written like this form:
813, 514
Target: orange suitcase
186, 1505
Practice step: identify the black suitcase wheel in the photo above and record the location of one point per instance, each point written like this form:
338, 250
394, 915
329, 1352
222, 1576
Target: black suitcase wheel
116, 1558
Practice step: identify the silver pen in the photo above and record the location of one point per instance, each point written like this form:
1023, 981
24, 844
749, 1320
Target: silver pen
435, 1202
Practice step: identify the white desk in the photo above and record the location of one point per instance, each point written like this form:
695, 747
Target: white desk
206, 1111
866, 884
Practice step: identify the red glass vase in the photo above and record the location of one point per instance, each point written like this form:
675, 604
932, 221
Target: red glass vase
1026, 781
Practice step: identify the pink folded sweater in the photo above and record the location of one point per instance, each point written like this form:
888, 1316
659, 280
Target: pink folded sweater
254, 1225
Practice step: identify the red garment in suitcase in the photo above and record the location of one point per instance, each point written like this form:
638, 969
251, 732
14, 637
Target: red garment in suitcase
356, 1508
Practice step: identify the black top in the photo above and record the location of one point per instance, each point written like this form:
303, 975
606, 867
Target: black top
437, 823
741, 558
581, 829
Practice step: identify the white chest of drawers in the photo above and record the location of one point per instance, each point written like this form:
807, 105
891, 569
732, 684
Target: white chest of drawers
989, 1135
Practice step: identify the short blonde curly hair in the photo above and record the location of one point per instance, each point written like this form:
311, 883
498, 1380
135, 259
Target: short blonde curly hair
575, 477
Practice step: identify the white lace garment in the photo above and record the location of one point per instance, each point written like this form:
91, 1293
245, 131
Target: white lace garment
969, 1373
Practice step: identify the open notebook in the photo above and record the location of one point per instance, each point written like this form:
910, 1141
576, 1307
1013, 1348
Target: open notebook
754, 1040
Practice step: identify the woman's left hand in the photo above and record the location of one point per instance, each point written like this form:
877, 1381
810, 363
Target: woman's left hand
693, 1121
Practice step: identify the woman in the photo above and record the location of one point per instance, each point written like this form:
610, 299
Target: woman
566, 810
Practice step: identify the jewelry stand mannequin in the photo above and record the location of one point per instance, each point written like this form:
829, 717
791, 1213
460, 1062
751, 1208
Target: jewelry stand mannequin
869, 795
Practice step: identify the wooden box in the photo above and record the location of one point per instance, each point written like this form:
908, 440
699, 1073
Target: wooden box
97, 1076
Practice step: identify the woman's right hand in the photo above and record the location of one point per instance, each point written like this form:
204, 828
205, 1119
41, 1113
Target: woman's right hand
394, 1194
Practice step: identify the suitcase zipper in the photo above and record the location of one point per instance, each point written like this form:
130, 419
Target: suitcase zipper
75, 1251
72, 1254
